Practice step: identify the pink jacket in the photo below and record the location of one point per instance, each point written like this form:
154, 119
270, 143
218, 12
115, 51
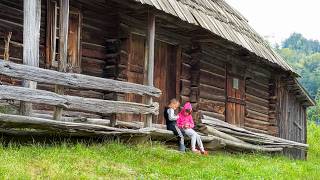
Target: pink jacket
185, 119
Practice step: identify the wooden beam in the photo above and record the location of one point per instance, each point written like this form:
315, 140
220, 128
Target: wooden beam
73, 80
63, 49
14, 121
97, 121
76, 103
7, 39
31, 35
151, 47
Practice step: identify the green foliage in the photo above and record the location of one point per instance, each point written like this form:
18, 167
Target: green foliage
150, 161
304, 56
314, 112
8, 109
298, 43
307, 66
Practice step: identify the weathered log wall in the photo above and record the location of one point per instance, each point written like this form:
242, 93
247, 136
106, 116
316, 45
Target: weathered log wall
258, 94
185, 78
291, 117
98, 25
209, 94
132, 64
212, 86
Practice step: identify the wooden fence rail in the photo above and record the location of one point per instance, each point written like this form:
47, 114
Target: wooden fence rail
74, 102
73, 80
76, 81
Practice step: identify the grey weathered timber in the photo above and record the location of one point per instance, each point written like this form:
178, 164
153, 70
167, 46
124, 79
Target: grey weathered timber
13, 121
160, 133
63, 50
215, 132
74, 102
150, 45
31, 35
246, 135
74, 80
105, 122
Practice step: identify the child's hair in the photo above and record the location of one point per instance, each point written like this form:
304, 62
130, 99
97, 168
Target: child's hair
173, 102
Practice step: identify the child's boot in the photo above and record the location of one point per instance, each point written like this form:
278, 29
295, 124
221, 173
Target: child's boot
182, 147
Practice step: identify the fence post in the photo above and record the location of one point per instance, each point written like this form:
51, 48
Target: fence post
150, 70
63, 51
31, 35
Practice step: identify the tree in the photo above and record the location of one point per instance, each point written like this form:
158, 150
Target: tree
298, 43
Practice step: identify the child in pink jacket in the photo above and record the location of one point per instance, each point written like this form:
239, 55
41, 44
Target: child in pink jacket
185, 122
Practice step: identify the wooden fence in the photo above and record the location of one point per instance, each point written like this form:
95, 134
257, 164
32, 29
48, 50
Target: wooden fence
70, 102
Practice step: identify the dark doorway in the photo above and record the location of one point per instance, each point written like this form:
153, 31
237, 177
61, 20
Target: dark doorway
135, 70
165, 71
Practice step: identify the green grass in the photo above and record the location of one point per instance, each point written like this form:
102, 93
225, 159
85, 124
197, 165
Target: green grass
150, 161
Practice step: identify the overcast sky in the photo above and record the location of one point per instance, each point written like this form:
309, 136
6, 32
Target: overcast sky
277, 19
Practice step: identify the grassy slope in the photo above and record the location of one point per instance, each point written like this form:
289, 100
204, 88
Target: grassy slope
150, 162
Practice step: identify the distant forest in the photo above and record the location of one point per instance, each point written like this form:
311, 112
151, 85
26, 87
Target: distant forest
304, 56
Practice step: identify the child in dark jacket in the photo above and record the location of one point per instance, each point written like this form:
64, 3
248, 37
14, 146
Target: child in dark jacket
171, 119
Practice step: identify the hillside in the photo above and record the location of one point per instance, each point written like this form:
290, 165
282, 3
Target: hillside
150, 161
304, 56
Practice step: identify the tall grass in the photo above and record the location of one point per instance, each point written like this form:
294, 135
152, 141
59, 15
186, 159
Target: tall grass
150, 161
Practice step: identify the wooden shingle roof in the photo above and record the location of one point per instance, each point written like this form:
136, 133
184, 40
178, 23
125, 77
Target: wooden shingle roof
221, 19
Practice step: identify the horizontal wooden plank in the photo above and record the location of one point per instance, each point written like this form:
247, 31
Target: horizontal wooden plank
258, 85
257, 100
256, 126
13, 121
212, 114
256, 130
212, 90
205, 65
211, 96
74, 102
257, 108
256, 115
256, 121
212, 106
209, 79
258, 93
73, 80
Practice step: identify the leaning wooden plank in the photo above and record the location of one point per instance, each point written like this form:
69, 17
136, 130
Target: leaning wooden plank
154, 132
250, 147
216, 122
259, 137
243, 146
73, 80
104, 122
14, 121
47, 133
215, 132
74, 102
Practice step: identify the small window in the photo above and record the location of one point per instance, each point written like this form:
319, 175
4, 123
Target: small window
74, 62
235, 83
53, 24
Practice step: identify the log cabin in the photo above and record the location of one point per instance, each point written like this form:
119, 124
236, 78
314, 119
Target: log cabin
198, 51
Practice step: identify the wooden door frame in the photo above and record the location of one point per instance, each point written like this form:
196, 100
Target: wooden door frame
242, 102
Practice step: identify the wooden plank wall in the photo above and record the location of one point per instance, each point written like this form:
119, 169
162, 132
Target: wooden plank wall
212, 87
185, 78
98, 25
257, 102
211, 97
291, 118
